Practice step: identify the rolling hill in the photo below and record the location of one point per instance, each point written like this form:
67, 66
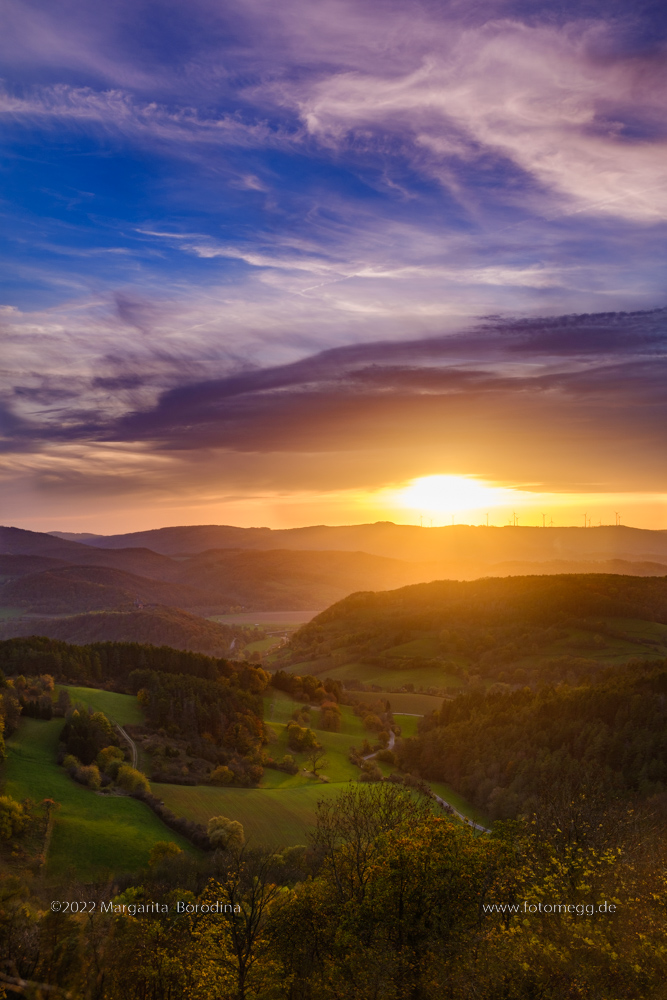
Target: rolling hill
514, 630
72, 589
17, 542
157, 626
293, 580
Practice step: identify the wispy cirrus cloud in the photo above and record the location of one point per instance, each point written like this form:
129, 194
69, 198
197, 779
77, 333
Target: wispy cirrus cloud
117, 110
549, 100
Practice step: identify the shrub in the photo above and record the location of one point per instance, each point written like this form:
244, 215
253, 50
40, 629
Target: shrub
132, 780
161, 850
71, 763
370, 771
89, 775
221, 776
288, 764
109, 760
225, 833
300, 738
14, 818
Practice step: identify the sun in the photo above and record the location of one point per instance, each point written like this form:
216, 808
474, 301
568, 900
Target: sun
452, 494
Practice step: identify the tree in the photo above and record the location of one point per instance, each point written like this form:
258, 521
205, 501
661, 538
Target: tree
14, 818
110, 760
316, 758
132, 780
330, 716
227, 834
222, 775
249, 891
349, 825
161, 850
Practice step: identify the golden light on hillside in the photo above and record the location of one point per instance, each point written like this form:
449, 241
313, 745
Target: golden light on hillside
452, 494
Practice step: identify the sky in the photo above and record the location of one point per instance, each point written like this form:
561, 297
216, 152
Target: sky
326, 262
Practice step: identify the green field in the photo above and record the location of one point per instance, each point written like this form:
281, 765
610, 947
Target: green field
7, 612
404, 703
387, 677
408, 724
94, 835
263, 645
282, 809
278, 708
122, 708
271, 817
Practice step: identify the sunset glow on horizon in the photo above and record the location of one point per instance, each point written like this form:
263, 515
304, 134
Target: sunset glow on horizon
292, 263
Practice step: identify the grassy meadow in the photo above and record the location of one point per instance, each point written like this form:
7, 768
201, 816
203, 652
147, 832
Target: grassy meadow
93, 833
97, 833
282, 809
404, 702
121, 708
386, 677
275, 817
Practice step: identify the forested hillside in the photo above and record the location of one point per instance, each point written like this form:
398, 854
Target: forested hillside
155, 625
513, 630
108, 663
504, 750
73, 589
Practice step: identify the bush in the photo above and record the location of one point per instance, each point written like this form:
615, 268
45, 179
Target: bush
194, 832
161, 850
71, 763
132, 780
225, 833
89, 775
14, 818
288, 764
109, 760
300, 738
370, 771
222, 776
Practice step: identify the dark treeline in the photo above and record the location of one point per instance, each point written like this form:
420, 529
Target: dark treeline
228, 711
108, 663
387, 900
502, 750
307, 688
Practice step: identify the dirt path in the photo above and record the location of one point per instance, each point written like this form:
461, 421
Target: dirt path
132, 744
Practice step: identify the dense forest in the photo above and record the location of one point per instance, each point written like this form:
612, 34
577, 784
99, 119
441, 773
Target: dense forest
109, 663
385, 900
503, 750
206, 710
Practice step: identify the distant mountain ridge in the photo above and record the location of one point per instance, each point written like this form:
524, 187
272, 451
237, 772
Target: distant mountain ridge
470, 546
258, 569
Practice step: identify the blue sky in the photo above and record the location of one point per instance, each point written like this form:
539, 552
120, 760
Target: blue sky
255, 252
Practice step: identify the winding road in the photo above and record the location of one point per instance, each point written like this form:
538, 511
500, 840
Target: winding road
132, 744
443, 802
464, 819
